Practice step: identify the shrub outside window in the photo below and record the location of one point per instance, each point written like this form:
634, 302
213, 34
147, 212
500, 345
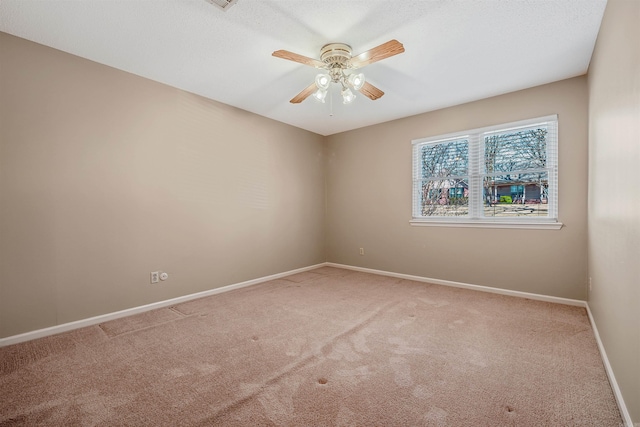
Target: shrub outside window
498, 176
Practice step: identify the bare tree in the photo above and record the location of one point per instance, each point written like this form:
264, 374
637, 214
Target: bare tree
444, 166
515, 158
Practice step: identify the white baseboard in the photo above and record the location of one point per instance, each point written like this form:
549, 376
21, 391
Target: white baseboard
15, 339
539, 297
53, 330
624, 412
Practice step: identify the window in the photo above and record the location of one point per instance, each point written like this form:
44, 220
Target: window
499, 176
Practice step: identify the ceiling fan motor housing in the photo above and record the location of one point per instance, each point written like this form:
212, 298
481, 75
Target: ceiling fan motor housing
335, 55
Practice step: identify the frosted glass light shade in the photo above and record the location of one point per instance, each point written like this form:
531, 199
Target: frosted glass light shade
320, 95
347, 96
322, 81
356, 81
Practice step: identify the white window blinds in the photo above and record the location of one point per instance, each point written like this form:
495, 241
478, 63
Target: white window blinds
505, 173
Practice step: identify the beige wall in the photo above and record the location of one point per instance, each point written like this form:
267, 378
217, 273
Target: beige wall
614, 193
106, 176
369, 200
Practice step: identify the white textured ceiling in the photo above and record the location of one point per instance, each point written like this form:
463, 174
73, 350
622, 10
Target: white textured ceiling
456, 50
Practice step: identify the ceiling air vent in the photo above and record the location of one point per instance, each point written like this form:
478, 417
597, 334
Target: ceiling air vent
223, 4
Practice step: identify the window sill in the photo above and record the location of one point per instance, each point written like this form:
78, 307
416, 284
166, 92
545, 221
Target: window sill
487, 224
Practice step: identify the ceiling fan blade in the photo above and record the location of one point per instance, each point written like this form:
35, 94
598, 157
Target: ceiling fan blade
285, 54
385, 50
370, 91
304, 94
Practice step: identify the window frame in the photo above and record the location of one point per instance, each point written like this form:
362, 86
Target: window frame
476, 141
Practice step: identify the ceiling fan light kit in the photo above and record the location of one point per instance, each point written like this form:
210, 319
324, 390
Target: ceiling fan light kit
337, 60
355, 81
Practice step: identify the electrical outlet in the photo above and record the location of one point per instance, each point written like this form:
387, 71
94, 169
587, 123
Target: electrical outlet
361, 251
155, 276
590, 287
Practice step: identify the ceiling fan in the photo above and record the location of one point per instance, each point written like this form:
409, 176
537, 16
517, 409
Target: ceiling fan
337, 60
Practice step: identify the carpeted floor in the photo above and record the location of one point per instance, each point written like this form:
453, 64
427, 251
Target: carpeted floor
328, 347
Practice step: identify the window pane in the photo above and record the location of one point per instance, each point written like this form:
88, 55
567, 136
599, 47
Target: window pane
445, 159
447, 197
514, 151
488, 175
516, 195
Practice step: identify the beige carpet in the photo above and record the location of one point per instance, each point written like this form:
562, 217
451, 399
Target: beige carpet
328, 347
